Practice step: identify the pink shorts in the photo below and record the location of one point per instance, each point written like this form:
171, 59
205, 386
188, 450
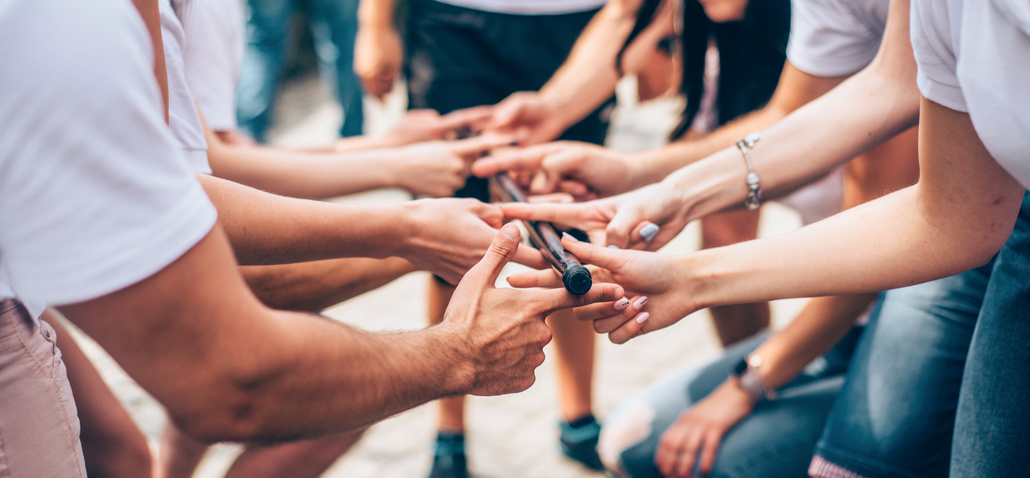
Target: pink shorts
39, 426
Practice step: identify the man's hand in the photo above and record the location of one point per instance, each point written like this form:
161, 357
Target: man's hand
699, 431
529, 117
449, 236
584, 170
438, 168
378, 56
654, 279
503, 329
647, 218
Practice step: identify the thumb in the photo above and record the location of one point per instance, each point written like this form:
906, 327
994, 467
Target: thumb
501, 250
622, 225
592, 254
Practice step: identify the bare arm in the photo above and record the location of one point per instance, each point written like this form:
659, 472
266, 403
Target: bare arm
314, 286
244, 372
378, 51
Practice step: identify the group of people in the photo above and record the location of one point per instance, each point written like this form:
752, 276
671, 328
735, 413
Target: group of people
133, 205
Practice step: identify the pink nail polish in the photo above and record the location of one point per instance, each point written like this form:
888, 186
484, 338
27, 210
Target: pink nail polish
621, 304
640, 303
568, 236
643, 317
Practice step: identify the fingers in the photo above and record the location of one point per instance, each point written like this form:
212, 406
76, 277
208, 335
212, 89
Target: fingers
526, 158
507, 112
549, 212
528, 256
502, 250
688, 453
599, 256
547, 278
479, 144
708, 451
555, 299
466, 117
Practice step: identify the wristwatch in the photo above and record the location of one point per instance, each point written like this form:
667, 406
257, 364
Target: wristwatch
746, 375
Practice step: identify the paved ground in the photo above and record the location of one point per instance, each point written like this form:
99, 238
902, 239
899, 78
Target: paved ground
509, 436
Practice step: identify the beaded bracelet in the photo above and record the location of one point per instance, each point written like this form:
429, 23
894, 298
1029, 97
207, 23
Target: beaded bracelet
754, 191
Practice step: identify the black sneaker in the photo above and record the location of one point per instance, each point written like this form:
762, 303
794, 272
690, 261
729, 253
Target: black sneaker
578, 441
449, 457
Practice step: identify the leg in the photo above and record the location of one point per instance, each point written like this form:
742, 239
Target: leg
449, 457
574, 343
734, 322
111, 443
334, 23
39, 429
992, 430
307, 458
268, 27
896, 411
776, 440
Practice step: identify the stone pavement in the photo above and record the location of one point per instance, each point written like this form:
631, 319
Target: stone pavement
508, 436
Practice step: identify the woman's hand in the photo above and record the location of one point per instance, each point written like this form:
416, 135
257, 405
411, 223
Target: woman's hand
699, 430
647, 218
656, 280
438, 168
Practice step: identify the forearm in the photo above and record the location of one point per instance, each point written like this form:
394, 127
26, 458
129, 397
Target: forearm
300, 174
269, 229
588, 76
314, 286
376, 13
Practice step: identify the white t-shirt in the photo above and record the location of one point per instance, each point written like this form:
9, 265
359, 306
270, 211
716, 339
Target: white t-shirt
214, 53
974, 57
835, 37
94, 194
529, 7
182, 111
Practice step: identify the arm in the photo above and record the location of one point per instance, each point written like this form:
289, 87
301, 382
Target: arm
445, 236
584, 81
315, 286
378, 50
274, 375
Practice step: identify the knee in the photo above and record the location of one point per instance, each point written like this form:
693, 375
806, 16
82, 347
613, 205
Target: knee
625, 432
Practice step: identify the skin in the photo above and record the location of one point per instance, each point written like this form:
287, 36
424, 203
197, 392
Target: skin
198, 310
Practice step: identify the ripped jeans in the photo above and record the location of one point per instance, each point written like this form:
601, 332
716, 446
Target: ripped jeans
776, 440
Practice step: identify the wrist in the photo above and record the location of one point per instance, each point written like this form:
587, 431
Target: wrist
456, 360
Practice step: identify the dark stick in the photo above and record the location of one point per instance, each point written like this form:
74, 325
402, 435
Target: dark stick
576, 278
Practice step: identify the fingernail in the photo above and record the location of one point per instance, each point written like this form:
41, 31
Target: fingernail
513, 142
569, 237
643, 317
512, 232
649, 231
639, 303
612, 246
621, 304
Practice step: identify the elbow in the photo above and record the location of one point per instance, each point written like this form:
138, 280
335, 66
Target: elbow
228, 417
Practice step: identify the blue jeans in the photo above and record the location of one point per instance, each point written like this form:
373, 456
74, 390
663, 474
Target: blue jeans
333, 26
895, 414
776, 440
992, 427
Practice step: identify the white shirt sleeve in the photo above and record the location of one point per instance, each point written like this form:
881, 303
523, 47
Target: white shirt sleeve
831, 38
213, 51
934, 51
183, 118
94, 194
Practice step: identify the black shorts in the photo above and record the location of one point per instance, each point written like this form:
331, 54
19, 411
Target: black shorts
459, 58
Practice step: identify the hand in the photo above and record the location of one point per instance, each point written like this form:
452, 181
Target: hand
647, 218
504, 329
438, 168
700, 429
378, 57
529, 116
449, 236
584, 170
648, 277
427, 125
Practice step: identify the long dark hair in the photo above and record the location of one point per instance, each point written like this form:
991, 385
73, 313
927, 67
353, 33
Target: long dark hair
751, 55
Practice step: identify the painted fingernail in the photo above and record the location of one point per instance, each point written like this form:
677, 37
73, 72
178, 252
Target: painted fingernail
649, 231
639, 303
643, 317
613, 246
513, 142
568, 236
621, 304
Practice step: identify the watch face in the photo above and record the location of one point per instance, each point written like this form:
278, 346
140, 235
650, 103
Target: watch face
740, 368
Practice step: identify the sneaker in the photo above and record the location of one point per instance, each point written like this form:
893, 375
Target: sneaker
449, 457
578, 441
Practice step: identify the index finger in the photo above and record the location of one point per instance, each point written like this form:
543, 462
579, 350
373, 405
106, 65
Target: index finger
556, 299
479, 144
466, 117
565, 214
526, 158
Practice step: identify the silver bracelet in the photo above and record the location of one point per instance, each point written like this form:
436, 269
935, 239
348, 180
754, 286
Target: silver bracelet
754, 191
748, 379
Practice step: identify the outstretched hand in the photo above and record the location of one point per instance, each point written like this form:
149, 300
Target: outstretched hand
503, 330
647, 218
529, 117
438, 168
654, 279
584, 170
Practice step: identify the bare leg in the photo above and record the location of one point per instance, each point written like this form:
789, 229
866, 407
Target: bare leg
308, 458
734, 322
112, 445
452, 410
574, 361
